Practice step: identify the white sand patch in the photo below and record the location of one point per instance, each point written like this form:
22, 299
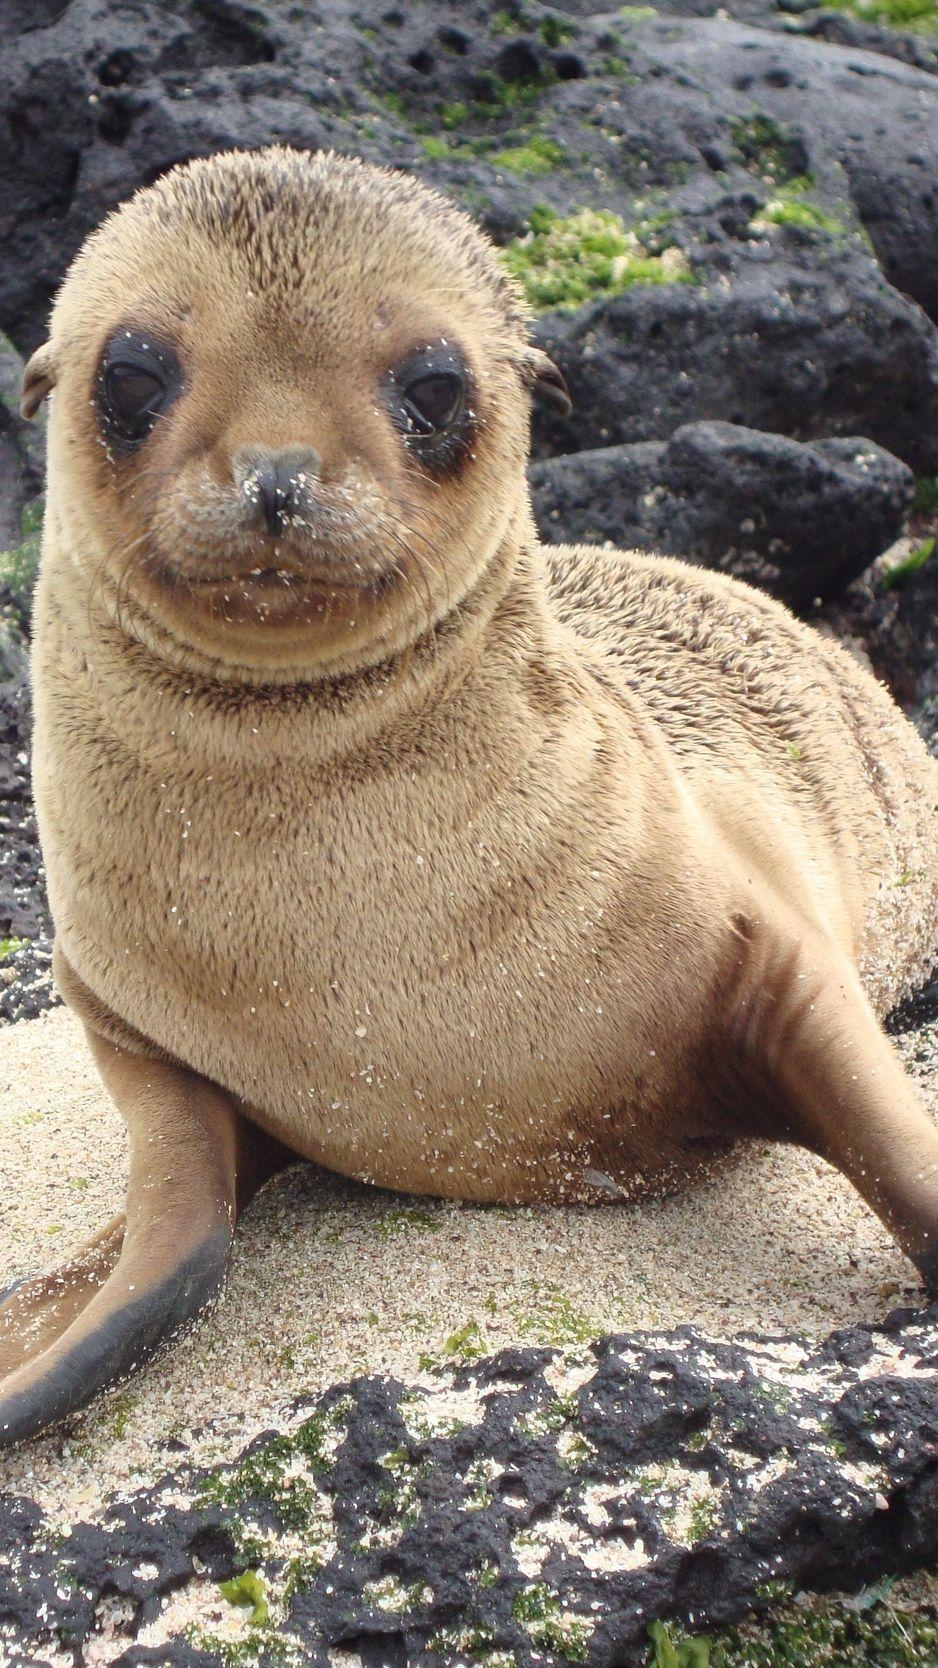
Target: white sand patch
603, 1555
51, 1659
443, 1412
568, 1373
391, 1595
199, 1605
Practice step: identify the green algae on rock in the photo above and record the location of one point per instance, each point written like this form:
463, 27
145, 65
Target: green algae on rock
918, 15
789, 205
538, 155
871, 1627
901, 572
563, 261
19, 567
769, 148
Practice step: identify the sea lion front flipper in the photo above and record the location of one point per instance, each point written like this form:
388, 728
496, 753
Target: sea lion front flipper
833, 1083
193, 1162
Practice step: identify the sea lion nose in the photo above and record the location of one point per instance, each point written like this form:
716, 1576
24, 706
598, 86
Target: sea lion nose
276, 484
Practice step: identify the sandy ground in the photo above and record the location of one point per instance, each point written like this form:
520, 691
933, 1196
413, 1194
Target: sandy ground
330, 1278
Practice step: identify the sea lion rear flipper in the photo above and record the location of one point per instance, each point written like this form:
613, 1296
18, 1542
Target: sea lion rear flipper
193, 1162
834, 1084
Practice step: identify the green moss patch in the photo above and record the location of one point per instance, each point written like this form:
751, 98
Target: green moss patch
767, 147
402, 1219
533, 154
248, 1590
541, 1614
899, 575
258, 1644
541, 1313
919, 15
545, 1315
925, 501
831, 1634
505, 23
789, 205
554, 32
433, 145
498, 97
671, 1652
539, 155
282, 1471
19, 566
467, 1343
453, 115
563, 262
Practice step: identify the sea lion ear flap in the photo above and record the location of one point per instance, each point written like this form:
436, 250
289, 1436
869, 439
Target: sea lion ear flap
39, 378
546, 382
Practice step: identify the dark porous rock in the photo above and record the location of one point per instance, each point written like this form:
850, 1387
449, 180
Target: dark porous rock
893, 612
21, 454
25, 926
795, 178
543, 1504
599, 496
819, 21
801, 352
843, 29
798, 520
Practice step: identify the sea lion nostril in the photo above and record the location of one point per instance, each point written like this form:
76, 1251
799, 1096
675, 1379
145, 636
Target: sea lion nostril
263, 491
276, 484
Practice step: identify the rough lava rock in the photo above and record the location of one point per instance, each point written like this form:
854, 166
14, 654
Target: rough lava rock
807, 330
786, 346
798, 520
22, 453
26, 973
541, 1505
544, 1504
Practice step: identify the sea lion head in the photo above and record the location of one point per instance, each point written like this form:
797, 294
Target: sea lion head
290, 422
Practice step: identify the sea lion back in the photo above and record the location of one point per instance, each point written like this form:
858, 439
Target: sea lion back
730, 675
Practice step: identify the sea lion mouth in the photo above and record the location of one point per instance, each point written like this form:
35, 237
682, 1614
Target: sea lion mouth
258, 576
280, 593
284, 579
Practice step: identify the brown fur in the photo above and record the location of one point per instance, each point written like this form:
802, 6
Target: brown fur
498, 873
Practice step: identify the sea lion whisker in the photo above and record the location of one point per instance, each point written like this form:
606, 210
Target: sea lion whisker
99, 579
412, 557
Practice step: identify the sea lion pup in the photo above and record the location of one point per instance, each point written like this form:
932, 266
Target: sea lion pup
377, 833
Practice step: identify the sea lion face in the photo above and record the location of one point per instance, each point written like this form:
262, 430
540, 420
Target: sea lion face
291, 422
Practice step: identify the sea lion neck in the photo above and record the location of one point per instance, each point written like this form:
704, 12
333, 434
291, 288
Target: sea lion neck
161, 709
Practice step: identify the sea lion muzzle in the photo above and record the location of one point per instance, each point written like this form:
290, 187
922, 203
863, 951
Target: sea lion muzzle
276, 485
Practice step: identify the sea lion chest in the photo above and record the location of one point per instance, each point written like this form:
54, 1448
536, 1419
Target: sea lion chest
413, 973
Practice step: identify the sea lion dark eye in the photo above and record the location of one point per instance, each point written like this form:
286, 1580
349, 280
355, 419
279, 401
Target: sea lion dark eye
429, 397
138, 379
131, 393
434, 401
